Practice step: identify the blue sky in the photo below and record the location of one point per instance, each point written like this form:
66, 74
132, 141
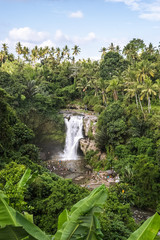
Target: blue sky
91, 24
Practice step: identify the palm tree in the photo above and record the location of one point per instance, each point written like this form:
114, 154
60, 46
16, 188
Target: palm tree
157, 87
76, 50
46, 50
34, 54
31, 89
5, 48
111, 47
150, 49
73, 59
114, 87
83, 84
148, 91
117, 49
52, 51
103, 50
19, 49
102, 85
4, 53
41, 53
58, 53
130, 52
133, 87
133, 90
144, 69
62, 55
25, 52
134, 49
130, 77
66, 51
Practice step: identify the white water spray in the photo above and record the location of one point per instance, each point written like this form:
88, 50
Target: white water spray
74, 127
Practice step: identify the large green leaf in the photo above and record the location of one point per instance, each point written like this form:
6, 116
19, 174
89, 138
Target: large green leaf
14, 233
90, 226
10, 218
148, 230
28, 216
26, 176
7, 214
82, 222
63, 217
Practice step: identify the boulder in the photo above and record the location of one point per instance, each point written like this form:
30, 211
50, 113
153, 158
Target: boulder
86, 145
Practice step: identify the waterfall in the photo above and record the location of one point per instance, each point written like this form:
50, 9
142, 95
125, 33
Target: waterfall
74, 126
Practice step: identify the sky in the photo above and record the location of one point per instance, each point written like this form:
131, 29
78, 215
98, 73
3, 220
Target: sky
90, 24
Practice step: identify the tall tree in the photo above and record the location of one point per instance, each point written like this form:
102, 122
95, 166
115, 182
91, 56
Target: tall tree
144, 69
76, 50
111, 47
114, 87
26, 53
66, 51
134, 49
34, 54
157, 87
103, 50
113, 64
147, 91
19, 49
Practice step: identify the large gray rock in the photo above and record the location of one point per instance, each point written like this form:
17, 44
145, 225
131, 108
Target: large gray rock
86, 145
89, 123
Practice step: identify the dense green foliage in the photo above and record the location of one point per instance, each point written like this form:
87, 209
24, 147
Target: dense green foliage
80, 223
123, 89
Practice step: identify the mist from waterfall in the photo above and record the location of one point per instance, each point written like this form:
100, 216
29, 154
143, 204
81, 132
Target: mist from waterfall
74, 132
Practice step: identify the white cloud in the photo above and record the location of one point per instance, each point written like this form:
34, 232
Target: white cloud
60, 37
133, 4
28, 35
149, 11
91, 36
48, 43
95, 58
83, 40
150, 16
77, 14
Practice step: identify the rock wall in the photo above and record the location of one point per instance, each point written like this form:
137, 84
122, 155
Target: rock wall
88, 143
89, 125
89, 122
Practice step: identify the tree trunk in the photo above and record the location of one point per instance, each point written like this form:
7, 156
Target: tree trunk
141, 107
136, 99
115, 95
149, 104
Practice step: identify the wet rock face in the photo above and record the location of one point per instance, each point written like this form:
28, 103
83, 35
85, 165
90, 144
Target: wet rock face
89, 124
86, 145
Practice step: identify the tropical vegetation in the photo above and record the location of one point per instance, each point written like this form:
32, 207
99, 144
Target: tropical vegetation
123, 90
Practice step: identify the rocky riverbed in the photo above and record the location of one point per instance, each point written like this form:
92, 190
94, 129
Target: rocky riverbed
81, 174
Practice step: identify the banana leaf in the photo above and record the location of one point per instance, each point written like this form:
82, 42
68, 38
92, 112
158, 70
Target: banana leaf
63, 217
26, 176
148, 230
28, 216
12, 223
82, 222
14, 233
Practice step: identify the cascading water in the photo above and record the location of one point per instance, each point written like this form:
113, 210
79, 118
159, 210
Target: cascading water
74, 127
